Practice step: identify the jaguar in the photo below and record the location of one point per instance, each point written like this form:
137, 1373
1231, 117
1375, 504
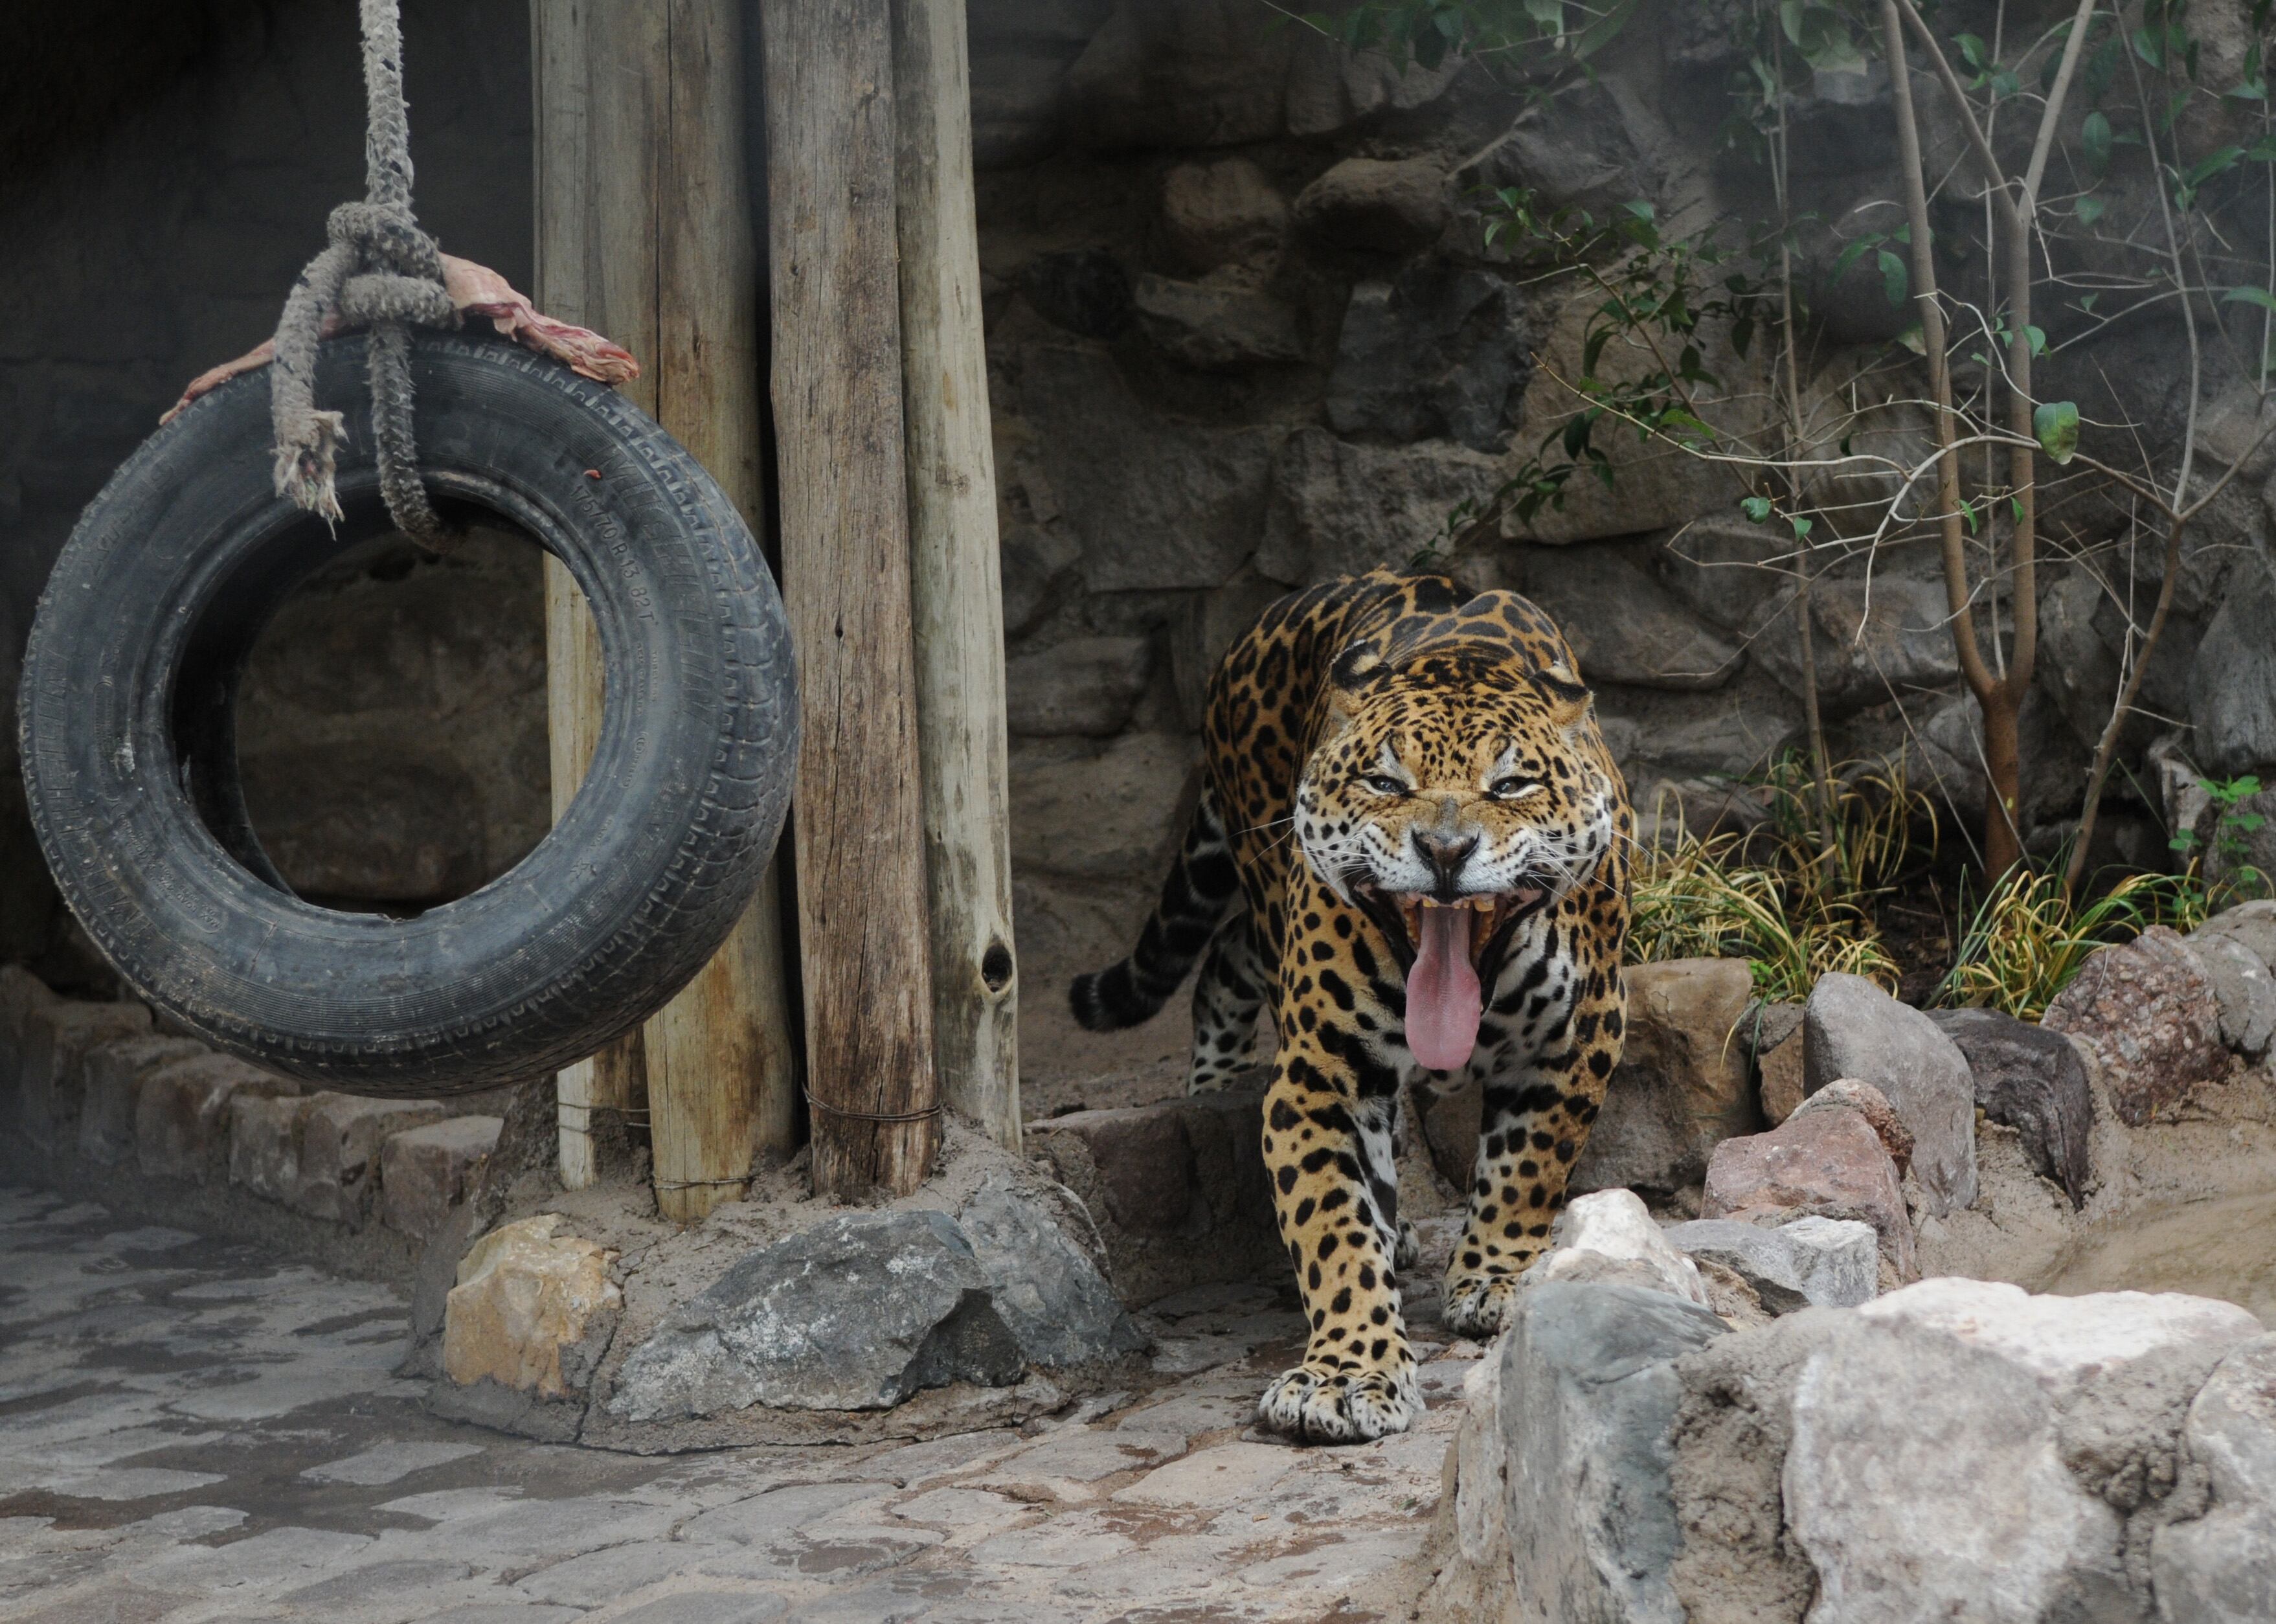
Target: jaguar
1412, 842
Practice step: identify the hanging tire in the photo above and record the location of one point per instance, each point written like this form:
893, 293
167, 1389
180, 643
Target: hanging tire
130, 758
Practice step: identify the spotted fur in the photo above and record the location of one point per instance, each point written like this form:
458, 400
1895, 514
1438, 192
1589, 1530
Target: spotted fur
1370, 743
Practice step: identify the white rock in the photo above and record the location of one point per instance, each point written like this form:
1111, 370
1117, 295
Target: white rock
2061, 1340
2221, 1569
1925, 1481
1609, 1236
1820, 1261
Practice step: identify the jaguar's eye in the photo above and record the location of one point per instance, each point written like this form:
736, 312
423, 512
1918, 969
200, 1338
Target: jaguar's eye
1510, 789
1383, 783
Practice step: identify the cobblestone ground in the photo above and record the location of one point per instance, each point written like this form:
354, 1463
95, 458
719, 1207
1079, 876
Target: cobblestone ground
192, 1430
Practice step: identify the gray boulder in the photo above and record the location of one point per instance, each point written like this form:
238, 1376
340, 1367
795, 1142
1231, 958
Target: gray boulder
2232, 683
1341, 509
1826, 1262
1852, 1029
1179, 73
1381, 206
1157, 502
2031, 1080
857, 1314
1215, 327
1623, 625
1087, 686
2221, 1569
1441, 352
1059, 1307
863, 1311
1223, 213
2238, 949
1563, 1508
1085, 290
1596, 145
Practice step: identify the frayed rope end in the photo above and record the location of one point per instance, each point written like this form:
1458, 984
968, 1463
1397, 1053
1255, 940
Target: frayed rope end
305, 464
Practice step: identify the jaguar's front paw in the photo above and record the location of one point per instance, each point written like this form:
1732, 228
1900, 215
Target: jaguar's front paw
1317, 1406
1477, 1306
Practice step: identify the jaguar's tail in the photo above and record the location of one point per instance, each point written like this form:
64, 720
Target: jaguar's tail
1201, 884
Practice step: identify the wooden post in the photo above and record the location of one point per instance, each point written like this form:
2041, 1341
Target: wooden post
645, 232
864, 950
958, 594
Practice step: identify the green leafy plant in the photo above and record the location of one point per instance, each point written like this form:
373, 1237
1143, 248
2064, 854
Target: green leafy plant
2230, 840
1659, 292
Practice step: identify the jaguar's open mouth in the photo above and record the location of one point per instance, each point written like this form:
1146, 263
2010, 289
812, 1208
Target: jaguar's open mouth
1446, 947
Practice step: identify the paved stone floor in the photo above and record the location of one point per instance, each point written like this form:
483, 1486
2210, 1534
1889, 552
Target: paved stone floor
192, 1430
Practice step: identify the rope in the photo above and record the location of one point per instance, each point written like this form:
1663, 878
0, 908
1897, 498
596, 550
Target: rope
378, 271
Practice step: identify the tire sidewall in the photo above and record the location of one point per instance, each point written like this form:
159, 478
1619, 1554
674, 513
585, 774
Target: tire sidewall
616, 909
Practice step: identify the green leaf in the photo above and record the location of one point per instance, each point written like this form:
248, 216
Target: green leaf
1603, 31
1913, 339
2086, 303
1801, 527
2089, 209
1640, 208
1894, 279
1756, 508
1968, 512
1854, 251
2038, 336
2015, 507
2095, 136
2250, 296
2149, 48
2056, 424
2225, 159
1973, 48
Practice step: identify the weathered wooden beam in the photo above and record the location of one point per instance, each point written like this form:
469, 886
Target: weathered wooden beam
958, 594
864, 945
646, 232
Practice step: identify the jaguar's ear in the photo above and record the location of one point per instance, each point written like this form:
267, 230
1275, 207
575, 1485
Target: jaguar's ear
1570, 702
1356, 670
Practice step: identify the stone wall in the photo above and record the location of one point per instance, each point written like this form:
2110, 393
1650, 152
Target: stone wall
1242, 334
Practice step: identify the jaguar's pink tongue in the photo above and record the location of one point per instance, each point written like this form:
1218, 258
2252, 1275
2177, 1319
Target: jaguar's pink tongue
1443, 1004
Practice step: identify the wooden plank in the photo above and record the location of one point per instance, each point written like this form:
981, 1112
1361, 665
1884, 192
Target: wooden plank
864, 952
561, 146
958, 595
645, 232
723, 1046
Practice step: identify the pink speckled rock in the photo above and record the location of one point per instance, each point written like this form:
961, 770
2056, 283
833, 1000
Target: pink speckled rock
1822, 1162
2149, 1011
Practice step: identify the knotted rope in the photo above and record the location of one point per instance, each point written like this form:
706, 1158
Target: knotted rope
380, 271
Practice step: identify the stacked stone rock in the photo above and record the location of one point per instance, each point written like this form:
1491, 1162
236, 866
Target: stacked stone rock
96, 1093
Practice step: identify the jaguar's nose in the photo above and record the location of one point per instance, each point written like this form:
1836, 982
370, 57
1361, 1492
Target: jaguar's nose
1446, 855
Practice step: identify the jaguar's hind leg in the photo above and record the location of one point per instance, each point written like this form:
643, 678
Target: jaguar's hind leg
1228, 997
